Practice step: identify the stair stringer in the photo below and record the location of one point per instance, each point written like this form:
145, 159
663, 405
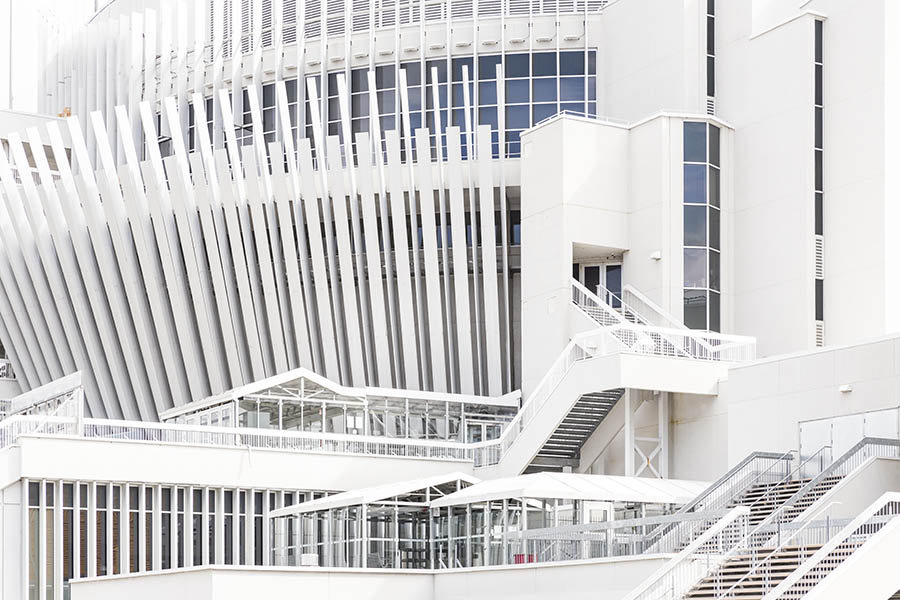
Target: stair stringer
858, 489
593, 375
607, 432
871, 569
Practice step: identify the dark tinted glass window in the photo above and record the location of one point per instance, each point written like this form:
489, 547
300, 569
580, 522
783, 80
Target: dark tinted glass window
710, 35
695, 309
592, 278
819, 93
820, 301
516, 65
819, 177
715, 312
571, 88
819, 125
517, 117
487, 93
694, 225
544, 111
543, 64
714, 150
714, 232
714, 187
819, 202
714, 270
458, 64
710, 76
413, 74
517, 91
544, 90
440, 65
694, 142
819, 40
571, 63
488, 116
386, 77
487, 66
695, 269
695, 184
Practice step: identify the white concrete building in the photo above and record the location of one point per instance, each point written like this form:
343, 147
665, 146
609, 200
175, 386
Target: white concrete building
453, 299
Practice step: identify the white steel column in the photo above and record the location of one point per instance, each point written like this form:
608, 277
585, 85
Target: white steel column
629, 433
380, 334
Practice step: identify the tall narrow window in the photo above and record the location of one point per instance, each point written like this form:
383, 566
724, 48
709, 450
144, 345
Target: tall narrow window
34, 539
702, 233
819, 183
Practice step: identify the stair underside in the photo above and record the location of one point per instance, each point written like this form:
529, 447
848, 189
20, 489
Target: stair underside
563, 447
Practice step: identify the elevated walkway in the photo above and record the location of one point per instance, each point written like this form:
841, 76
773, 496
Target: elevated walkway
576, 396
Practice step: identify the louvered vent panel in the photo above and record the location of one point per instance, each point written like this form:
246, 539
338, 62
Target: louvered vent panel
227, 27
289, 20
820, 333
268, 23
246, 26
710, 105
312, 26
820, 257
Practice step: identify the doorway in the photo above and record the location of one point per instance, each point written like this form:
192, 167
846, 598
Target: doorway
604, 279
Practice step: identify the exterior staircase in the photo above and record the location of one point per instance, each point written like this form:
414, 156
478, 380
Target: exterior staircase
764, 498
563, 447
752, 586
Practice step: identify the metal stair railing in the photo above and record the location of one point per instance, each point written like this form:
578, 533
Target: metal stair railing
796, 473
644, 338
740, 478
703, 555
651, 312
853, 458
603, 312
837, 548
655, 315
798, 536
595, 307
608, 539
756, 468
758, 537
582, 347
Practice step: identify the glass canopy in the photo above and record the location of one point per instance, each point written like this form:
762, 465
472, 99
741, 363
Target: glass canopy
303, 401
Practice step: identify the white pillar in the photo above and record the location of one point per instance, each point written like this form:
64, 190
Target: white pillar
629, 434
663, 425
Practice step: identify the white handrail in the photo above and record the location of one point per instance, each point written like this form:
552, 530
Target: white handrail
662, 341
635, 296
577, 350
679, 574
887, 500
779, 547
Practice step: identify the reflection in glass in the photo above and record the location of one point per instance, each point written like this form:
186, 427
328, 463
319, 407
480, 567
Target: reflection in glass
695, 184
695, 268
714, 187
694, 142
695, 226
695, 309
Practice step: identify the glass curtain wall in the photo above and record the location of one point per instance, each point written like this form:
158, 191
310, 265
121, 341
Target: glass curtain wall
408, 418
112, 528
536, 86
702, 226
